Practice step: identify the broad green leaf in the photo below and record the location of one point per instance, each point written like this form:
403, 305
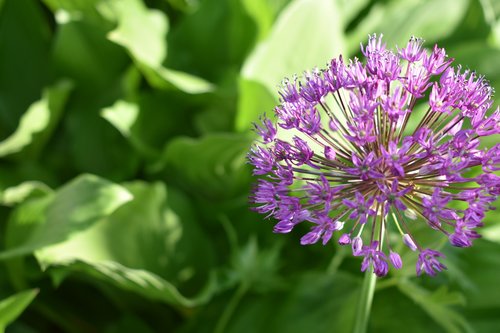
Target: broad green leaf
263, 14
139, 281
214, 165
257, 268
99, 69
17, 194
351, 8
65, 10
317, 302
399, 20
492, 233
82, 53
123, 115
164, 78
142, 32
13, 306
296, 43
213, 40
150, 122
438, 305
184, 5
491, 12
38, 122
255, 100
392, 310
481, 265
25, 50
309, 302
73, 208
151, 245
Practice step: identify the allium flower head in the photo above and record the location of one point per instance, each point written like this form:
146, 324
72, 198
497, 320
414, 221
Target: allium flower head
388, 144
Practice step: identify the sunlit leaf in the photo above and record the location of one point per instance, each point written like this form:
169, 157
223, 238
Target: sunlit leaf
13, 306
297, 42
214, 39
399, 20
25, 42
150, 245
17, 194
142, 32
71, 209
213, 165
38, 121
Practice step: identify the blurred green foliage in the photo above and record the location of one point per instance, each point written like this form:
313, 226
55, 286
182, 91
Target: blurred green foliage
124, 126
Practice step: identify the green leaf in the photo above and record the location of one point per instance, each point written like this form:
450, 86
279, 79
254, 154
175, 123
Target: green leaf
139, 281
214, 165
399, 20
151, 245
82, 53
74, 10
255, 100
324, 303
481, 265
38, 121
438, 305
351, 9
23, 64
74, 207
295, 44
13, 306
123, 116
17, 194
150, 122
256, 268
142, 32
393, 310
164, 78
492, 233
263, 14
213, 40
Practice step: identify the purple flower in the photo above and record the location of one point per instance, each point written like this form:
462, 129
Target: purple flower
391, 196
366, 168
347, 146
396, 157
375, 258
429, 263
361, 208
324, 229
395, 259
413, 50
267, 130
435, 208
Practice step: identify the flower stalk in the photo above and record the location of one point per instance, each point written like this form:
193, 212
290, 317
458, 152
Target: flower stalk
365, 302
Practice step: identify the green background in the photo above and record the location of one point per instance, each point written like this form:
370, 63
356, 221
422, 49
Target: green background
124, 129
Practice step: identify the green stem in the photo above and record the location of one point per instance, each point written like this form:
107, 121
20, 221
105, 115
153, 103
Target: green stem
337, 259
365, 302
231, 306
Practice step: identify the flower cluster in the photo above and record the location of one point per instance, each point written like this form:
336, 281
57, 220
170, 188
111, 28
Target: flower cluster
364, 149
